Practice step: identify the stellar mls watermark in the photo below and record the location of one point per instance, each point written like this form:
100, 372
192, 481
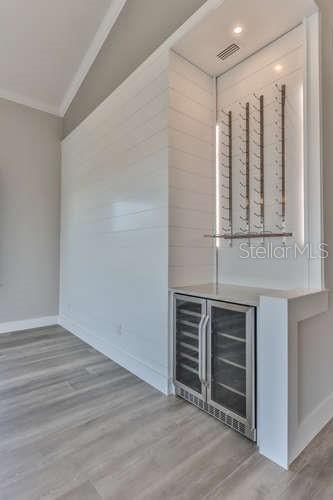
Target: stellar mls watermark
269, 251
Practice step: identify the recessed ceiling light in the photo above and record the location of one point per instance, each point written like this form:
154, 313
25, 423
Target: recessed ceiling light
238, 30
278, 68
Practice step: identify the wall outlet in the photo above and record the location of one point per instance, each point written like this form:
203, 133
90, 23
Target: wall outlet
120, 329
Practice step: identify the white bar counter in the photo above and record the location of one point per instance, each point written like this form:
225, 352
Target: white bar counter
282, 433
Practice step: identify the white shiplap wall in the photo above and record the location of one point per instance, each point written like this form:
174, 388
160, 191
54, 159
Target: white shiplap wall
191, 173
114, 238
137, 198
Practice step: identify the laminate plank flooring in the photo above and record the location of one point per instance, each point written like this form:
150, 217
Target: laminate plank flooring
76, 426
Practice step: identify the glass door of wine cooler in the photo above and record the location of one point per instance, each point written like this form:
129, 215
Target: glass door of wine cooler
190, 323
230, 361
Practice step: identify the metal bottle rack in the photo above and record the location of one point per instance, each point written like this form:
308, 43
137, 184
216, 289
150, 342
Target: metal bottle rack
252, 223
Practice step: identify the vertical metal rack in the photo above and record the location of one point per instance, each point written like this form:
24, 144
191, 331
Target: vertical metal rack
283, 153
227, 175
262, 162
257, 218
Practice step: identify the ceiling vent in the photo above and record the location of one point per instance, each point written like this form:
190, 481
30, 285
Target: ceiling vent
229, 51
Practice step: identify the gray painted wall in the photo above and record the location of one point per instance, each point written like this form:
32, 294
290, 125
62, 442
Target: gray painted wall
141, 27
29, 212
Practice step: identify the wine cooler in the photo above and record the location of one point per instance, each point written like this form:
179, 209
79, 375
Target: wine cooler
214, 359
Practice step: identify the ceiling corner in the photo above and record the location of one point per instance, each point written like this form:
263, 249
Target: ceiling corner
91, 54
30, 103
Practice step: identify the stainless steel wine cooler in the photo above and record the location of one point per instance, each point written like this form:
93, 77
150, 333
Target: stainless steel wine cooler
214, 359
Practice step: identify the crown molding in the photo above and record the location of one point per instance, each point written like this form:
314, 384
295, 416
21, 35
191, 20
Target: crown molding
92, 52
30, 103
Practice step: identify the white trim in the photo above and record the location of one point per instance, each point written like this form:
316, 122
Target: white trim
272, 379
168, 44
313, 133
303, 428
311, 426
86, 63
132, 364
92, 52
30, 103
28, 324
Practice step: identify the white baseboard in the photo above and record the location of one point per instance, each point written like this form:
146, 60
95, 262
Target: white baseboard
122, 358
27, 324
311, 426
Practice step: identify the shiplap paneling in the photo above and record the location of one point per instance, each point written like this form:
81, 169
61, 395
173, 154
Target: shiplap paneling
114, 239
191, 173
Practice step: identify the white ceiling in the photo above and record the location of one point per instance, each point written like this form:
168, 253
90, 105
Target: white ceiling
44, 45
263, 21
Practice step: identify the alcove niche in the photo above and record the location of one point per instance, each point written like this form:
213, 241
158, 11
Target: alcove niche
245, 148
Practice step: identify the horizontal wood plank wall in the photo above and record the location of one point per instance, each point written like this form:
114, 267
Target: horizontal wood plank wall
114, 239
191, 173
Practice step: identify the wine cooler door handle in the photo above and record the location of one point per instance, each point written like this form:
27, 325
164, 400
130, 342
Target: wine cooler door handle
203, 317
203, 351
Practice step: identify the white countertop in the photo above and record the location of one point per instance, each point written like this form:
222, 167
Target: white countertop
241, 294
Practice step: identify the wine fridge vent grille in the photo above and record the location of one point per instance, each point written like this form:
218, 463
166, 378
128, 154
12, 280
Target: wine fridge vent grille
212, 410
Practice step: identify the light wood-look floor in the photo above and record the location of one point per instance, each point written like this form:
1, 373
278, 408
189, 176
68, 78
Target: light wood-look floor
74, 425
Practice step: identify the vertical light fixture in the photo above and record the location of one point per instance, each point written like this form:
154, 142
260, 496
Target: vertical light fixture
217, 186
302, 180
